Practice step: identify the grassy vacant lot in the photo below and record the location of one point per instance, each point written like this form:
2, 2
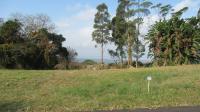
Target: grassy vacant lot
58, 91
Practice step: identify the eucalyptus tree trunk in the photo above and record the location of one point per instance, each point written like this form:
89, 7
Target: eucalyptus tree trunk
129, 50
102, 54
102, 61
137, 38
137, 46
130, 43
122, 61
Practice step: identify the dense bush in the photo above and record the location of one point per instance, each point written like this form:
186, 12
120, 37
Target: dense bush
35, 49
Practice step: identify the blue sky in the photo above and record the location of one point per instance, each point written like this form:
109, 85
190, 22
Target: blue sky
74, 18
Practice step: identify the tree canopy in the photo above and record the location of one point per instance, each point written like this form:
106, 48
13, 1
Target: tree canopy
101, 33
38, 49
175, 41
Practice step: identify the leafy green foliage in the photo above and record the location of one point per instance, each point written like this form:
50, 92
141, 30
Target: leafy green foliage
198, 15
175, 41
163, 10
140, 48
118, 33
125, 34
10, 31
40, 50
101, 33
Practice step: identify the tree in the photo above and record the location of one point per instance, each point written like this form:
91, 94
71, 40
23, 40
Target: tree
124, 30
140, 48
130, 27
175, 41
141, 10
5, 54
101, 32
71, 54
118, 27
1, 22
40, 50
33, 23
9, 36
10, 31
51, 47
126, 36
157, 7
115, 56
163, 26
164, 10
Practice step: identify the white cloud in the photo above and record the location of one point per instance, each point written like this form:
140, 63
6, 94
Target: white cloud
86, 15
147, 22
77, 29
182, 4
187, 3
78, 26
62, 24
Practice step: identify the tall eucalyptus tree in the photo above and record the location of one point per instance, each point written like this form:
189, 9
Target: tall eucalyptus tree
101, 33
118, 27
129, 15
141, 9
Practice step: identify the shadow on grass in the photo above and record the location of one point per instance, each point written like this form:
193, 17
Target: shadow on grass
16, 106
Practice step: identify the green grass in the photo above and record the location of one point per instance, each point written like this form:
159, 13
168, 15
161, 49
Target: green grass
58, 91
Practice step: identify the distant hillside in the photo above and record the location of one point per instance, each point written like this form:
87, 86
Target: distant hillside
107, 61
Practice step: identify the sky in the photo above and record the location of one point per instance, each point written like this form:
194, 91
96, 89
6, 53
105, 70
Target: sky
74, 18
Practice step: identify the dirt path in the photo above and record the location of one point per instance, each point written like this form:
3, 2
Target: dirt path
175, 109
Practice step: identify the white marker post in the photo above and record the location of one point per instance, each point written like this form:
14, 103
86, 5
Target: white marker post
149, 78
